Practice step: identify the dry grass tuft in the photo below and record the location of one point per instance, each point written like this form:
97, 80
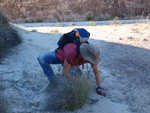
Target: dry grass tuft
8, 36
70, 95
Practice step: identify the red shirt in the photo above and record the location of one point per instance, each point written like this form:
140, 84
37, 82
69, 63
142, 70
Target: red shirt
69, 53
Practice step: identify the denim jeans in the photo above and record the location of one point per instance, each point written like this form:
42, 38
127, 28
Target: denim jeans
45, 59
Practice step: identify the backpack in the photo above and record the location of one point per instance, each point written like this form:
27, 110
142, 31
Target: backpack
77, 36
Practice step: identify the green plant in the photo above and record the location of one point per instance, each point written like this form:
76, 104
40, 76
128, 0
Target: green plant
111, 18
89, 18
3, 19
58, 19
39, 20
26, 21
70, 95
91, 24
76, 93
8, 36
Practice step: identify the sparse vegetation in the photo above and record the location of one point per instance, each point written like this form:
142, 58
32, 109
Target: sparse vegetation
8, 36
39, 20
32, 20
3, 19
71, 95
58, 19
91, 24
89, 18
26, 21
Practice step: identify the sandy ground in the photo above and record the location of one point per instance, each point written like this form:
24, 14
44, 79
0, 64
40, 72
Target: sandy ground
124, 68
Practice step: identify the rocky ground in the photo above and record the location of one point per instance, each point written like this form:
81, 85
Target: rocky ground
124, 68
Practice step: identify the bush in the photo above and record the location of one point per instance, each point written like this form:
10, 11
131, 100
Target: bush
69, 96
3, 19
76, 94
89, 18
8, 36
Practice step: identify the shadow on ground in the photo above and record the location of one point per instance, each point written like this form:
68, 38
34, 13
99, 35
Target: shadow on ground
130, 62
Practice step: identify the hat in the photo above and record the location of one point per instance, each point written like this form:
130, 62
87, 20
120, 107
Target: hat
90, 52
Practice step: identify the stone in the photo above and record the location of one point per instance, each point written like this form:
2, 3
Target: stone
36, 104
34, 30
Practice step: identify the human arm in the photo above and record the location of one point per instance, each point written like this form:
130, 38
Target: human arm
97, 75
98, 80
66, 69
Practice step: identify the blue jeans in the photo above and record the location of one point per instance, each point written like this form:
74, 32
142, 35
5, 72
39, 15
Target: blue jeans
45, 59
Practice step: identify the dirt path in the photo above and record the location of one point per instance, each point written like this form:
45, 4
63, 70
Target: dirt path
125, 69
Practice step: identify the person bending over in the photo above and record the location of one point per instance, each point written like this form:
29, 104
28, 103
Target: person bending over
89, 53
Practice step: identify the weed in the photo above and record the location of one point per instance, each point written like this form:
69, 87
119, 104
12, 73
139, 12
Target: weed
79, 91
3, 19
89, 18
39, 20
8, 36
92, 24
110, 18
58, 19
70, 95
26, 21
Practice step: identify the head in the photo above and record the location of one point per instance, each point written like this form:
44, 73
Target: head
90, 52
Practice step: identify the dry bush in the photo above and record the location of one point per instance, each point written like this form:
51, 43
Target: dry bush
70, 95
8, 36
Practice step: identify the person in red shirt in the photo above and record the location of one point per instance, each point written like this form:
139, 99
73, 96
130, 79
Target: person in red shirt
89, 53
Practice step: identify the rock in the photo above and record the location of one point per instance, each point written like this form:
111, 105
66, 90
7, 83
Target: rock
62, 10
36, 104
145, 39
54, 31
34, 30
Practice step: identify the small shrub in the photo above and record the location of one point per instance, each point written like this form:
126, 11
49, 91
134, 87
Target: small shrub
3, 19
58, 19
39, 20
76, 94
92, 24
26, 21
8, 36
110, 18
89, 18
71, 95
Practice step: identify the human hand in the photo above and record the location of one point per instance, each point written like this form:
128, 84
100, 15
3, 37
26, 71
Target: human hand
100, 91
